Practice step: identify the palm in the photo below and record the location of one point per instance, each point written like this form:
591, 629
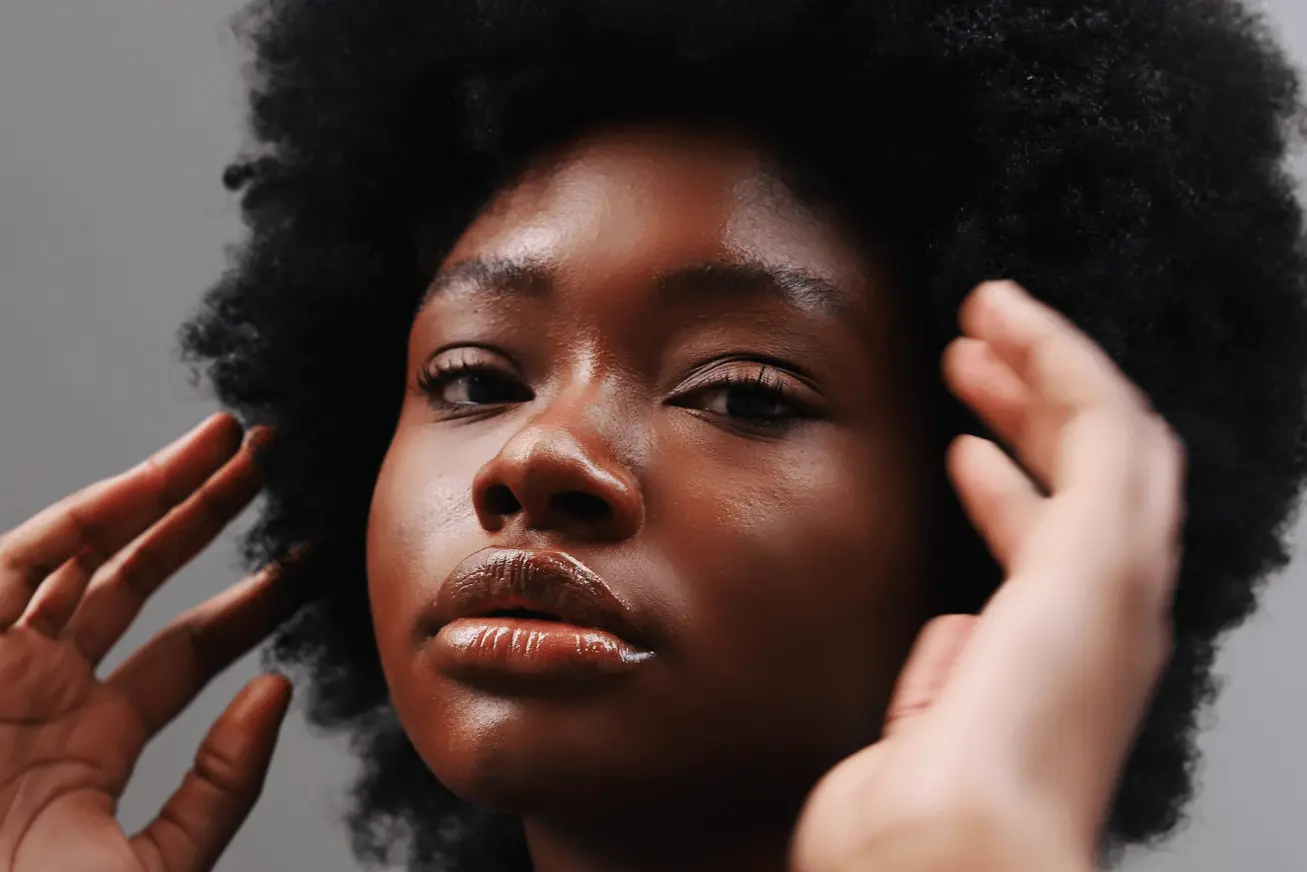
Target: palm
72, 742
72, 580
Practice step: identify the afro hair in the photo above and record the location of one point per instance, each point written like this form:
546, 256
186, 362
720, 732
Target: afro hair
1123, 160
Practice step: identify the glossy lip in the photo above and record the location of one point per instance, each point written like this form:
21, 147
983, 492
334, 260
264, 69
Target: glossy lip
584, 630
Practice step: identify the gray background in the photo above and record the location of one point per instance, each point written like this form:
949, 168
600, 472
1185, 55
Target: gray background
115, 121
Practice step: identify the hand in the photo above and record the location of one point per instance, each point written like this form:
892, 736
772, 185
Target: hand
72, 579
1008, 730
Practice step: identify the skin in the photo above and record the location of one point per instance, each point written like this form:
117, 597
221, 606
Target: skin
763, 553
986, 759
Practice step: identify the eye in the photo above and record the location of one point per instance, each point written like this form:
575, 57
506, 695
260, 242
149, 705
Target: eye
469, 379
747, 399
752, 395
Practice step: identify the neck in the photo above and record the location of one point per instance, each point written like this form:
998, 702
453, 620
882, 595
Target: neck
644, 842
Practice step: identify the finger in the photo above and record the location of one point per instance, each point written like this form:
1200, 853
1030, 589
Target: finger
104, 613
1002, 401
114, 600
1051, 689
89, 526
161, 678
1066, 371
201, 818
1041, 345
1000, 500
1165, 499
985, 382
936, 650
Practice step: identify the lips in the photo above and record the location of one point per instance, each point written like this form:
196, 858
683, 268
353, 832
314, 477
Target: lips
531, 614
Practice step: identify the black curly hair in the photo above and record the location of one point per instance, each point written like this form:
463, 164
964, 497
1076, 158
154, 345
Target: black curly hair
1124, 160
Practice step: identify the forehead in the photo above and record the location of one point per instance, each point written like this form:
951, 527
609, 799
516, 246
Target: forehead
651, 198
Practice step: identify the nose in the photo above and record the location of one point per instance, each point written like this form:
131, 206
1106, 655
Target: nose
560, 478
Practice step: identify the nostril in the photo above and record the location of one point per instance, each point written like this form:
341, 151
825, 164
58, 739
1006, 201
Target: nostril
581, 506
500, 500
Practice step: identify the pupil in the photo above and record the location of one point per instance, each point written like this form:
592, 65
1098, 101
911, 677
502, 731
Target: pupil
750, 404
481, 389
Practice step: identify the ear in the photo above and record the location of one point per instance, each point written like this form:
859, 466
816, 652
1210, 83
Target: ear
929, 665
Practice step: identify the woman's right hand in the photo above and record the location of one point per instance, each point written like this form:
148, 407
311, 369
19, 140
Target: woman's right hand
72, 579
1008, 730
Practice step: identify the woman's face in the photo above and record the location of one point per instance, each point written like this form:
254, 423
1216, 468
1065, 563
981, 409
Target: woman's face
650, 526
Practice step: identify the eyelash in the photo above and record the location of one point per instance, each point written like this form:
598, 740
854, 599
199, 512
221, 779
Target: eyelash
432, 382
766, 383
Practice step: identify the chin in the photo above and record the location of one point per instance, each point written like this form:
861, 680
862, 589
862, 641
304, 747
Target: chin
533, 753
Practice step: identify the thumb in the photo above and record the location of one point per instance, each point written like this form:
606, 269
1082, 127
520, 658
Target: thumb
938, 646
201, 817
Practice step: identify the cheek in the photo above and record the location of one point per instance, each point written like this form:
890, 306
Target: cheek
801, 559
421, 523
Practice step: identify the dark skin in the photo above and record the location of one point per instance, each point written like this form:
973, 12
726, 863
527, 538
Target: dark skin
762, 471
774, 546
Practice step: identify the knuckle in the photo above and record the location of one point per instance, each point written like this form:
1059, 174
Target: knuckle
1138, 396
1171, 457
213, 514
83, 530
154, 478
154, 475
180, 834
34, 575
89, 641
1117, 430
1124, 421
204, 645
1138, 400
1046, 358
139, 573
1175, 445
225, 769
1161, 427
1175, 458
91, 557
1074, 371
12, 566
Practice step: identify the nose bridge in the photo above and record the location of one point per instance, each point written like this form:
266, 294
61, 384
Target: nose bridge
563, 438
583, 409
569, 467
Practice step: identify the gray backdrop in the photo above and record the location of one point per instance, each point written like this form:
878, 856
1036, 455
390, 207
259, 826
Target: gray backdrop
116, 119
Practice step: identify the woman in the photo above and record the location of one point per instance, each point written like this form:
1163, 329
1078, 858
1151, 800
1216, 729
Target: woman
638, 390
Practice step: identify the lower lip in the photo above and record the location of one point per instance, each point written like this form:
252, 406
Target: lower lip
526, 648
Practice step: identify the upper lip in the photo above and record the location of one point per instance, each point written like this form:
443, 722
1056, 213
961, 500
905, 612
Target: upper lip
551, 582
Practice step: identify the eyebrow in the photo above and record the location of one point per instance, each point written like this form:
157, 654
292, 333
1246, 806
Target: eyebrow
720, 280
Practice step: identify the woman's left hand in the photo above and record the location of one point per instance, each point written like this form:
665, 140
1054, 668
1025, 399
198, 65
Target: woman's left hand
1008, 730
